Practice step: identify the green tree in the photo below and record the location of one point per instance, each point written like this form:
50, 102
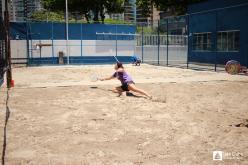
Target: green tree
84, 7
176, 7
47, 16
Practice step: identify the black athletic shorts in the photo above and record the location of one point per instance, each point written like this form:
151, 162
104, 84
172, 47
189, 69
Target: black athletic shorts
124, 86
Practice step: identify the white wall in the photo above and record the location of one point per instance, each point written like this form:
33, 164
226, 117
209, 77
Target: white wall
36, 51
18, 48
89, 48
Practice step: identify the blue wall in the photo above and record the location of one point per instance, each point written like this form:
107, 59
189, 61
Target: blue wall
80, 60
219, 15
214, 4
77, 31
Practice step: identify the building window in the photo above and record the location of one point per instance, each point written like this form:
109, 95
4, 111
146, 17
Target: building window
202, 41
228, 41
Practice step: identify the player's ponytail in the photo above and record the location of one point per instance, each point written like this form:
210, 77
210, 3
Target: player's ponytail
119, 65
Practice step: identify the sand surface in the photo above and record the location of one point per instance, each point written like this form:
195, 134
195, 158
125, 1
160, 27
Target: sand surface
59, 116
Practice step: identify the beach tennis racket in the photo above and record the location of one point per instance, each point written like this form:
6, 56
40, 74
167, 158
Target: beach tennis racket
94, 78
116, 59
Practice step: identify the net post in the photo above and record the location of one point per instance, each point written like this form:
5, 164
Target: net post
40, 47
158, 44
167, 42
216, 26
187, 17
67, 31
52, 42
142, 42
27, 32
116, 49
81, 39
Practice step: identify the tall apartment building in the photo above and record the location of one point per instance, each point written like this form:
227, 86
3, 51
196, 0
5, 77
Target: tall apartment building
154, 17
135, 14
2, 9
115, 16
130, 11
129, 14
20, 9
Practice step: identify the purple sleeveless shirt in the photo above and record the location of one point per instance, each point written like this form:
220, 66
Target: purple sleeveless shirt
123, 77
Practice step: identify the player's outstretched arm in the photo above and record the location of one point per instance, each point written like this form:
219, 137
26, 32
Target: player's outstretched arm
107, 78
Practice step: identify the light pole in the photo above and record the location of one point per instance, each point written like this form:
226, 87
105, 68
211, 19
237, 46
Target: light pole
67, 31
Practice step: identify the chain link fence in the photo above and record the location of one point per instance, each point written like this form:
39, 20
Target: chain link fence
163, 43
178, 41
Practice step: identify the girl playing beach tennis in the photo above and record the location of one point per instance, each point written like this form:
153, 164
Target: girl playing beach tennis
127, 83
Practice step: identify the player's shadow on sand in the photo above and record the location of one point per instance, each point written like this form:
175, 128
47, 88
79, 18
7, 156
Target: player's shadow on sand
129, 94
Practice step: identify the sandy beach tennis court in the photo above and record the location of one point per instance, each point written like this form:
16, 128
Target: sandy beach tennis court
59, 116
